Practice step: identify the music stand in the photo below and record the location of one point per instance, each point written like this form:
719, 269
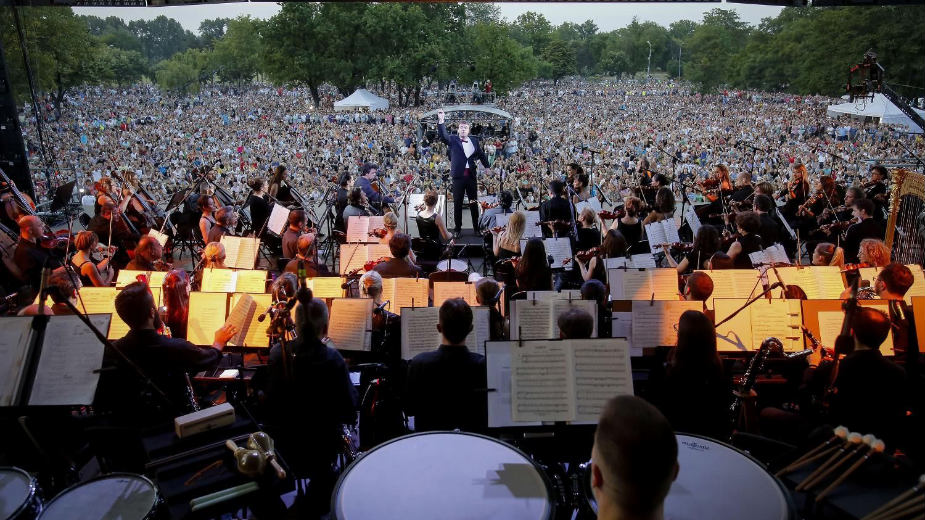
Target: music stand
176, 199
63, 195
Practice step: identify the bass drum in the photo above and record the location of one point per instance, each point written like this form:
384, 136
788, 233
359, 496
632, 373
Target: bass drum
19, 495
444, 475
116, 496
453, 265
716, 481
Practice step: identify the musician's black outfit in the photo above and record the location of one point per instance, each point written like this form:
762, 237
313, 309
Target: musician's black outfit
769, 230
877, 193
30, 258
556, 208
432, 247
446, 390
692, 401
587, 238
867, 228
260, 212
339, 206
122, 237
751, 243
398, 268
309, 396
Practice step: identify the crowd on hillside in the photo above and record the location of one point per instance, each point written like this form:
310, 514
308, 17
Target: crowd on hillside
609, 125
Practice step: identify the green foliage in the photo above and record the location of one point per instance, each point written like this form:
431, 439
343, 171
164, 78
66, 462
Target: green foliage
532, 30
292, 49
212, 29
496, 56
235, 57
561, 58
184, 72
162, 37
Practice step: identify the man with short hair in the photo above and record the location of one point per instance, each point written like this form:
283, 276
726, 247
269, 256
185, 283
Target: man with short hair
556, 208
867, 227
368, 174
699, 287
464, 151
399, 266
489, 217
29, 256
297, 220
446, 388
634, 460
147, 253
225, 221
575, 323
770, 228
306, 255
166, 360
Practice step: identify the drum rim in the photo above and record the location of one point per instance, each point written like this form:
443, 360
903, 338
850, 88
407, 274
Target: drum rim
449, 263
788, 498
33, 489
550, 489
157, 493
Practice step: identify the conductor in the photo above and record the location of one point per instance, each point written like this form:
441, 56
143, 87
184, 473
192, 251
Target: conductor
464, 151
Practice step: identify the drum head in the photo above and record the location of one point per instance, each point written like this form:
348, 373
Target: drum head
719, 482
442, 475
454, 264
16, 489
119, 496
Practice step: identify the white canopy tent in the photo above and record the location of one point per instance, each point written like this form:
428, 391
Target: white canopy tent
362, 98
879, 108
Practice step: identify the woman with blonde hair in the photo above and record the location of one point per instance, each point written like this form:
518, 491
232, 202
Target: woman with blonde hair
92, 274
390, 223
213, 256
507, 243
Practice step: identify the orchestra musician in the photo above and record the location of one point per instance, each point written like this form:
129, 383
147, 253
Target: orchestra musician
306, 253
876, 189
376, 200
826, 253
30, 256
575, 323
596, 291
706, 244
175, 290
873, 252
259, 203
464, 151
489, 216
507, 242
399, 266
588, 234
581, 188
796, 192
297, 222
699, 287
165, 360
743, 189
613, 246
866, 227
386, 333
557, 208
277, 190
148, 255
357, 206
207, 219
533, 272
826, 197
344, 185
747, 224
770, 229
225, 221
488, 293
663, 208
92, 273
630, 225
445, 388
110, 217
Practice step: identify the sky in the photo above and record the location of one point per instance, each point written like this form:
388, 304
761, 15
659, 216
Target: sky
607, 16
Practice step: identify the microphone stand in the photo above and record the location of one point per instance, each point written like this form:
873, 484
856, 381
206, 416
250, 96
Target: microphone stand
749, 302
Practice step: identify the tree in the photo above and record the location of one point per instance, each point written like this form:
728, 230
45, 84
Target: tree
235, 56
125, 67
498, 57
533, 30
183, 72
162, 37
291, 50
212, 30
561, 58
713, 46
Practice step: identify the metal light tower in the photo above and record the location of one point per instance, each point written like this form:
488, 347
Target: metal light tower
649, 64
680, 47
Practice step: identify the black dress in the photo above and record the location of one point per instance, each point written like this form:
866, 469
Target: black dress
750, 244
260, 212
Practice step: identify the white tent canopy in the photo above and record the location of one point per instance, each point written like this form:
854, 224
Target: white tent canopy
362, 98
879, 108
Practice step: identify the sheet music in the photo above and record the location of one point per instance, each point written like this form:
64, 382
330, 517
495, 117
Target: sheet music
498, 362
819, 282
15, 333
619, 262
567, 294
602, 370
542, 382
654, 322
736, 334
406, 292
419, 331
781, 319
655, 233
641, 285
279, 219
242, 312
326, 286
351, 323
560, 249
219, 280
532, 318
592, 203
532, 230
240, 252
829, 282
690, 215
251, 281
127, 276
160, 237
377, 251
358, 229
254, 333
830, 323
352, 257
560, 307
643, 260
71, 353
481, 329
734, 283
207, 313
444, 291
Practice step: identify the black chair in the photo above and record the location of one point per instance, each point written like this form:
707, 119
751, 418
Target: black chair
426, 253
447, 276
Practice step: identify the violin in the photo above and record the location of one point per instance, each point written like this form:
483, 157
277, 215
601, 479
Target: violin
488, 205
498, 229
587, 255
420, 207
378, 232
612, 215
16, 203
684, 247
855, 267
512, 261
369, 266
838, 226
555, 223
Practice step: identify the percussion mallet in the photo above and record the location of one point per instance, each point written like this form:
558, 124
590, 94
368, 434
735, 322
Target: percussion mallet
838, 434
892, 504
853, 440
876, 446
865, 442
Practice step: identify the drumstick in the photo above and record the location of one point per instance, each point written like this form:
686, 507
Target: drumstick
864, 443
877, 446
854, 438
839, 433
913, 507
893, 503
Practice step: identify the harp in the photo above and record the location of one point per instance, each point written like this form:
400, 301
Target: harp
905, 235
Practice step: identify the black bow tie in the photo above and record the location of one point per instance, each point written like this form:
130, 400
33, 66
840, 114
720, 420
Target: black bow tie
465, 140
